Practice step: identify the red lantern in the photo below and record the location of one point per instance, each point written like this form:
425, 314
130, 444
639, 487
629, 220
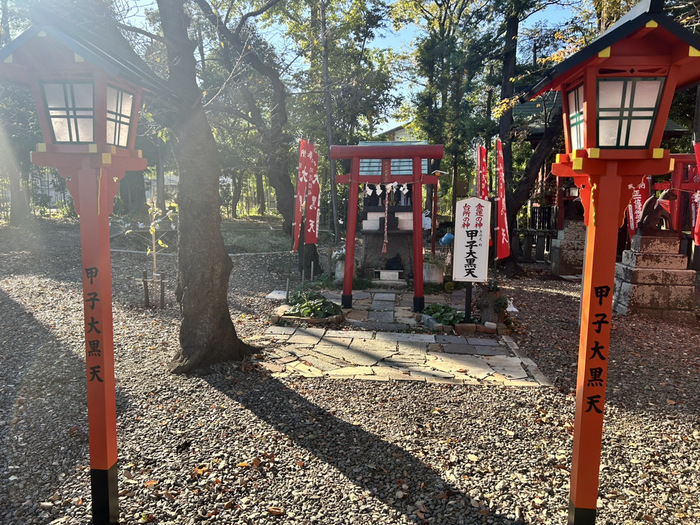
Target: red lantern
616, 96
87, 95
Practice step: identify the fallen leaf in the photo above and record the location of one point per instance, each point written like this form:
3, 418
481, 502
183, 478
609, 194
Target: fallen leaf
243, 464
275, 511
151, 483
257, 462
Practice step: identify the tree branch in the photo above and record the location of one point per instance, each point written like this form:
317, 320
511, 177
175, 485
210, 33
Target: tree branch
148, 34
252, 14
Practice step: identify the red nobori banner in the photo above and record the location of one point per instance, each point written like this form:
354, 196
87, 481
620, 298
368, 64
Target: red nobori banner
313, 206
634, 208
483, 172
502, 239
302, 180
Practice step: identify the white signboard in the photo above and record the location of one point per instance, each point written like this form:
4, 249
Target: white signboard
471, 244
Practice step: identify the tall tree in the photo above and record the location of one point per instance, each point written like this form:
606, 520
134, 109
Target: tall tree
207, 334
241, 42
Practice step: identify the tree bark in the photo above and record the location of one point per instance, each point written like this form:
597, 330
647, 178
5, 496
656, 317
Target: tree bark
260, 192
207, 334
19, 204
507, 92
523, 191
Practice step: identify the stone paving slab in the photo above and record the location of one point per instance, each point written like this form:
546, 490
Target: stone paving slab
381, 316
349, 334
396, 374
510, 367
378, 327
377, 349
382, 306
450, 339
459, 348
351, 371
399, 336
482, 341
280, 330
471, 366
413, 347
405, 359
361, 357
491, 350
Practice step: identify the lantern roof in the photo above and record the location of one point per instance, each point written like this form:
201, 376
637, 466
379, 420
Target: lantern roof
108, 56
647, 14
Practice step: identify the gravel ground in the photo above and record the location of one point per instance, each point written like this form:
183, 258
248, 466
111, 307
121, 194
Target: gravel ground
233, 445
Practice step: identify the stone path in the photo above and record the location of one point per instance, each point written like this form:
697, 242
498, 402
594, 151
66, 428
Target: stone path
379, 346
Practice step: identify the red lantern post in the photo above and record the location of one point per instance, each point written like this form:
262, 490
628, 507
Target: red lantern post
87, 96
616, 95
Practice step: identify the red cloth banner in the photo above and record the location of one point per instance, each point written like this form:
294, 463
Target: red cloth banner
313, 192
502, 239
483, 172
634, 208
302, 180
695, 207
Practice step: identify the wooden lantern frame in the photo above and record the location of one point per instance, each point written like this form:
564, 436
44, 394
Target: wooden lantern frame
645, 43
54, 51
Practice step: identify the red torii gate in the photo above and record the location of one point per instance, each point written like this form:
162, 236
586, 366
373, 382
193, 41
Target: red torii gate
386, 153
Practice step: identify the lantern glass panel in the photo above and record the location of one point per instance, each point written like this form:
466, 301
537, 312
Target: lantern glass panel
119, 107
627, 110
575, 99
70, 108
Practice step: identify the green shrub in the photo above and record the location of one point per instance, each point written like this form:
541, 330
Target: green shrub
312, 304
444, 314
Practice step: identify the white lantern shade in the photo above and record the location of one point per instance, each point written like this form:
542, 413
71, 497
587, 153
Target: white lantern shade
119, 108
627, 110
576, 124
70, 107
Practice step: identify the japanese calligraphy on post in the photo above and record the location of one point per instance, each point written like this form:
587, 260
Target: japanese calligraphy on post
471, 246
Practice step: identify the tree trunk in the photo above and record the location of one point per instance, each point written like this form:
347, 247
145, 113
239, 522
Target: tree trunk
507, 91
237, 183
329, 119
260, 192
523, 191
19, 204
207, 334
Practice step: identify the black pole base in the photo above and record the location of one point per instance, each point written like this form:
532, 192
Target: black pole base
581, 516
418, 304
346, 301
105, 496
468, 303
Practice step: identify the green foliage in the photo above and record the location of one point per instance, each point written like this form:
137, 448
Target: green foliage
444, 314
312, 304
500, 305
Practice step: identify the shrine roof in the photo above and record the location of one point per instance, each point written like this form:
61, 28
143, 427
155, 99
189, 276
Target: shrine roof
373, 167
645, 12
106, 54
